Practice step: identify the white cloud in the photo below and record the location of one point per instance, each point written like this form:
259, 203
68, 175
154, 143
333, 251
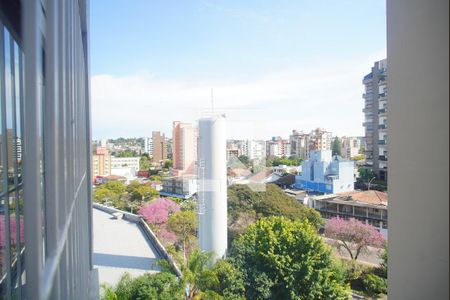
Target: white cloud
325, 94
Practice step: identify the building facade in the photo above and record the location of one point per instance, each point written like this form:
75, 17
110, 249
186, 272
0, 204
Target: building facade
148, 146
350, 147
320, 139
101, 163
183, 187
159, 147
184, 148
324, 173
369, 207
46, 206
299, 144
375, 119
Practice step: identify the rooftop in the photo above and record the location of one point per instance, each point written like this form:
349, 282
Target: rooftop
120, 246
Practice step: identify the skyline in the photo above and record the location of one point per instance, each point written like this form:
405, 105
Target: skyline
273, 69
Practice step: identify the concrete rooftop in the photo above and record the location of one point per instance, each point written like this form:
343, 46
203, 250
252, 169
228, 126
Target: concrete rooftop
120, 246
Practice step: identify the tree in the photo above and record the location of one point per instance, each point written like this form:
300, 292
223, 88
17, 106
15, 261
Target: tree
161, 285
354, 236
198, 277
168, 164
184, 225
103, 195
284, 259
115, 186
230, 280
143, 192
246, 206
145, 163
157, 212
336, 146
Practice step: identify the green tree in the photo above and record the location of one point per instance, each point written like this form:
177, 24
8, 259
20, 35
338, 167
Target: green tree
145, 163
143, 193
168, 164
284, 259
245, 206
184, 225
102, 195
230, 280
161, 285
198, 278
127, 153
336, 146
115, 186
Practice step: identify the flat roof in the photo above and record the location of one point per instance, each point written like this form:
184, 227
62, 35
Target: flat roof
120, 246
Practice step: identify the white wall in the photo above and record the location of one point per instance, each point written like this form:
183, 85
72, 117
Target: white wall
418, 80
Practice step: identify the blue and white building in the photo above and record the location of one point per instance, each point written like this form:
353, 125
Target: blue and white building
325, 173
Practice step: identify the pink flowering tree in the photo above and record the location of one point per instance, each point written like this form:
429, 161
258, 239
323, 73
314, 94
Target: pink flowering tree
354, 236
158, 211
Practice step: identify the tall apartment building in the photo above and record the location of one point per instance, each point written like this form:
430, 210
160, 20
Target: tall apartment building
184, 148
278, 147
350, 147
319, 139
148, 146
101, 163
159, 147
46, 206
375, 121
299, 144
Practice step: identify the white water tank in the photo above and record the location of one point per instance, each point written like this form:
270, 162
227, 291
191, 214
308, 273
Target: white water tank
212, 178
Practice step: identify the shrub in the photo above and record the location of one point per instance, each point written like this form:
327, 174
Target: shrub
374, 285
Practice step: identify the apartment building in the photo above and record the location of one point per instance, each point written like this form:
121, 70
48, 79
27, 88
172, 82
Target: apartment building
184, 148
375, 119
148, 146
299, 144
179, 186
278, 147
159, 147
350, 147
101, 163
320, 139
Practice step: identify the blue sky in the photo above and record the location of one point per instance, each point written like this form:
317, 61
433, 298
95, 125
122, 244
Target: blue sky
274, 65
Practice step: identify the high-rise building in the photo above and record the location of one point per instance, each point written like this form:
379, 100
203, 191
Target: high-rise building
278, 147
212, 190
319, 139
184, 148
46, 206
159, 147
299, 144
375, 122
148, 146
350, 147
101, 163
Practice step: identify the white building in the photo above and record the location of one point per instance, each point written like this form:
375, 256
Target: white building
129, 162
148, 146
179, 186
327, 174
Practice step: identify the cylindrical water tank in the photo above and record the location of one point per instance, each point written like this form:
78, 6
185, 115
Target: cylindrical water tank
212, 193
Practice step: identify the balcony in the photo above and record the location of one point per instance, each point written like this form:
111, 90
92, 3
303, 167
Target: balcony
382, 142
382, 95
382, 126
382, 110
382, 158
